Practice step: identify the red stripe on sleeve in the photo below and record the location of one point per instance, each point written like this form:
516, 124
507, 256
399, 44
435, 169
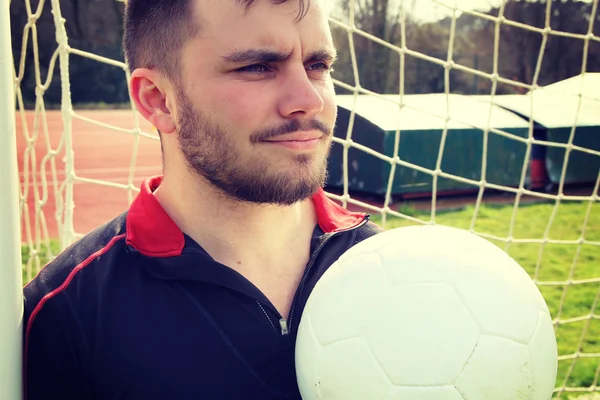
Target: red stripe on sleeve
56, 291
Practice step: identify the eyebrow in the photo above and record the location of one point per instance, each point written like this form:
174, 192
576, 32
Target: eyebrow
326, 54
254, 56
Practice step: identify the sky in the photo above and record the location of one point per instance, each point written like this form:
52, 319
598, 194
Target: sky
435, 10
430, 10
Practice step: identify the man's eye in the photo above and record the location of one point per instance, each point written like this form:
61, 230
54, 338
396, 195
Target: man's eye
254, 69
320, 66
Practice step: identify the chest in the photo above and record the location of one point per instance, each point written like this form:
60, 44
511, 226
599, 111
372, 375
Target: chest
279, 285
186, 345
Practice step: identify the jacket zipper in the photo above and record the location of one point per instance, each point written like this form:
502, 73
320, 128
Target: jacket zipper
288, 324
284, 326
283, 323
308, 268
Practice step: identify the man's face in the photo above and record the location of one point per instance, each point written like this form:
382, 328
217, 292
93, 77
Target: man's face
255, 102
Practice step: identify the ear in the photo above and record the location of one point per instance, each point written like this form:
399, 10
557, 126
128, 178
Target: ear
149, 93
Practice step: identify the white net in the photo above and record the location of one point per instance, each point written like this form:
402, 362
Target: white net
448, 115
48, 142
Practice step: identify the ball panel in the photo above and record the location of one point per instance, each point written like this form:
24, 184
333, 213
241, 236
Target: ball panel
426, 336
308, 350
348, 297
498, 369
502, 298
544, 358
411, 266
370, 245
408, 238
349, 371
444, 237
425, 393
464, 239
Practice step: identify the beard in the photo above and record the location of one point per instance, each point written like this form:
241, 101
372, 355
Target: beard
211, 152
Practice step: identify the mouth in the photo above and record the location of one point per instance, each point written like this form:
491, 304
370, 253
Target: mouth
297, 137
297, 140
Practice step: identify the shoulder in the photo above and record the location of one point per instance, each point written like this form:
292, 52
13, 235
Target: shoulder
65, 272
58, 302
366, 231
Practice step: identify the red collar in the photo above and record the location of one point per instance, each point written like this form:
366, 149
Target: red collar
152, 232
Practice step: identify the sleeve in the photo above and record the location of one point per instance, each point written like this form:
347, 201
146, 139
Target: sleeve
55, 354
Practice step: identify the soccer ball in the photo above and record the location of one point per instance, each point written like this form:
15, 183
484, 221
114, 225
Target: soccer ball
427, 313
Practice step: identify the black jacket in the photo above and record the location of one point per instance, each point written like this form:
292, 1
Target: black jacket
138, 310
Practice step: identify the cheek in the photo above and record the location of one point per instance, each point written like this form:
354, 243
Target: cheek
244, 105
329, 105
240, 105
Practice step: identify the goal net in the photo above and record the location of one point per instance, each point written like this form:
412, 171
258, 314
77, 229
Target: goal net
480, 115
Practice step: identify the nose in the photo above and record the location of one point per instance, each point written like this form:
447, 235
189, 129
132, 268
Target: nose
300, 97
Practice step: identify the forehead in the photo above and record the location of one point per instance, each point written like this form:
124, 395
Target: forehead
225, 24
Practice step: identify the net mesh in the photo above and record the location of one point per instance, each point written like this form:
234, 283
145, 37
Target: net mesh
50, 177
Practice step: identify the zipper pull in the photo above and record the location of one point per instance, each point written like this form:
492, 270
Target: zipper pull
284, 327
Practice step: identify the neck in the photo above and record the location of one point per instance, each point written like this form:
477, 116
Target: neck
236, 233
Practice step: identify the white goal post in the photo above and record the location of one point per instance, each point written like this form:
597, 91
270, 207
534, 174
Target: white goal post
11, 303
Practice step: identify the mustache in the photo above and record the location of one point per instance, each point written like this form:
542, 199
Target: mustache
290, 126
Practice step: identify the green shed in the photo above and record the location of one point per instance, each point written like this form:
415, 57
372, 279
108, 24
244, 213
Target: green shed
560, 110
421, 123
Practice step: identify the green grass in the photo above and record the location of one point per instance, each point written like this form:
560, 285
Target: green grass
555, 262
34, 259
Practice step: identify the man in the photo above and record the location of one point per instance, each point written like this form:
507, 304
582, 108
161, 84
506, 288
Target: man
196, 292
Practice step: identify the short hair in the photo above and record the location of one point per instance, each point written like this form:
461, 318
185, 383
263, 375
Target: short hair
156, 30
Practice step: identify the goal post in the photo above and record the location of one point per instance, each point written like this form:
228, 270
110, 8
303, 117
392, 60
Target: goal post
11, 299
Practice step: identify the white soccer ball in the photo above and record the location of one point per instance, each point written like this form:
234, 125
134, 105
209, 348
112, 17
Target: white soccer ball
427, 313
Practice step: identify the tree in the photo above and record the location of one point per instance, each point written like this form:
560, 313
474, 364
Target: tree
97, 26
473, 46
94, 26
379, 67
520, 48
374, 60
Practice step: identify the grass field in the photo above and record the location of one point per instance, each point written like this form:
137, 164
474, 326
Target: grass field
555, 265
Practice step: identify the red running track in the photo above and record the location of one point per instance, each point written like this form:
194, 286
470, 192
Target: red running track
105, 154
99, 153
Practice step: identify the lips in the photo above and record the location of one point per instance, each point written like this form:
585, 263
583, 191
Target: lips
298, 141
297, 137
